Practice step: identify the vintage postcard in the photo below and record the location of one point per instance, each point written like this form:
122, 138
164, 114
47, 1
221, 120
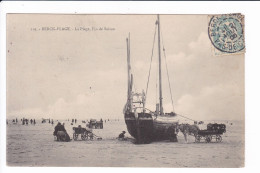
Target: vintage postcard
125, 90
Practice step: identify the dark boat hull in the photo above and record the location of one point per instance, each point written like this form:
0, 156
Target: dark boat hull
146, 128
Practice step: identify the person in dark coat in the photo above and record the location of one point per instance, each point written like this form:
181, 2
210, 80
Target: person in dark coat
57, 128
122, 135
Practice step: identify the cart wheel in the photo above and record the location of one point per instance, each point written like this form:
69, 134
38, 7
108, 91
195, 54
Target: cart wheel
197, 139
218, 138
83, 136
75, 136
208, 138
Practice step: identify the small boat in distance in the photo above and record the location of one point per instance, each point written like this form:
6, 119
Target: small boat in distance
143, 124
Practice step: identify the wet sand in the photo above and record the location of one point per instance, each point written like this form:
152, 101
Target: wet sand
29, 145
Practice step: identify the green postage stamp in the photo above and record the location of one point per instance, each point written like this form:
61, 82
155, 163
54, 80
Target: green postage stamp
226, 33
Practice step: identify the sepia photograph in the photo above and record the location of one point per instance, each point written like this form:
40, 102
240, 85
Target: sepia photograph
125, 90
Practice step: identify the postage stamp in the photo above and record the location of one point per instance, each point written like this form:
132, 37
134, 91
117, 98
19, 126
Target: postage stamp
226, 33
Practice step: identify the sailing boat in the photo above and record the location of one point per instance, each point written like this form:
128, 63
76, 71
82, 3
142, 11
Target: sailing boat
143, 124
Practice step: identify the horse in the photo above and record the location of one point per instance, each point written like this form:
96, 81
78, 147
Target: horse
63, 136
188, 129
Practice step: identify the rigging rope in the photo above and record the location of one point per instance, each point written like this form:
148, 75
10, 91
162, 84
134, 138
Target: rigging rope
167, 73
156, 75
170, 83
185, 117
150, 65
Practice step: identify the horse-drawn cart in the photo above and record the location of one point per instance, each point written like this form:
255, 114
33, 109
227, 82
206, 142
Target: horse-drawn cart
85, 134
214, 131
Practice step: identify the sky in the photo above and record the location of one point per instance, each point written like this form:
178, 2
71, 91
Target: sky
82, 72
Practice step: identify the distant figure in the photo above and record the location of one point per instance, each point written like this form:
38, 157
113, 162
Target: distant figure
6, 121
26, 120
49, 120
16, 120
196, 124
105, 121
34, 122
31, 121
75, 121
101, 123
201, 122
72, 120
23, 121
52, 122
121, 136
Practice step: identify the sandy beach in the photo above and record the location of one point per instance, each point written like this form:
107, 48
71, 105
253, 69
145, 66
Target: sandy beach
34, 145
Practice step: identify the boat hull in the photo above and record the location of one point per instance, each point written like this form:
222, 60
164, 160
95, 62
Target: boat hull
147, 128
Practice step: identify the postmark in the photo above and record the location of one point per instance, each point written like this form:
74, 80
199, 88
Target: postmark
226, 33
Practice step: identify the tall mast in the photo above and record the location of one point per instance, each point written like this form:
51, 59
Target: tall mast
129, 71
160, 73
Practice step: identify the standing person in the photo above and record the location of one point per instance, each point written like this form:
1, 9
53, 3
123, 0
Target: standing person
52, 122
16, 120
34, 122
49, 120
75, 120
101, 123
31, 121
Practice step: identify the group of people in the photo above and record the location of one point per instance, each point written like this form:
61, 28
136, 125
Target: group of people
50, 121
60, 127
24, 121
